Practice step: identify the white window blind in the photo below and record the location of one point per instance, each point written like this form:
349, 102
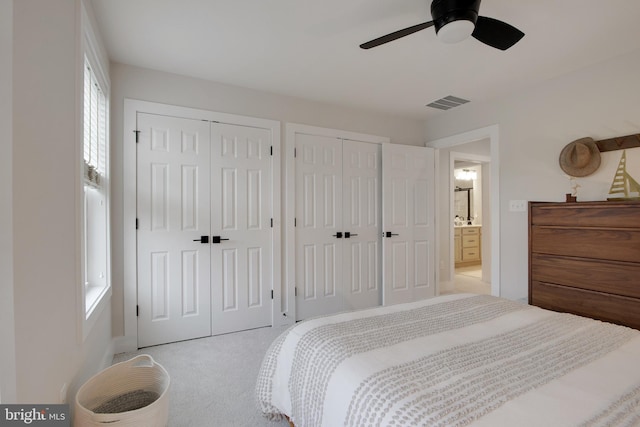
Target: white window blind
94, 128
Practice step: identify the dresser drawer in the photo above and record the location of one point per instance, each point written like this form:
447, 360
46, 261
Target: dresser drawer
470, 241
585, 214
470, 254
468, 231
604, 243
597, 305
620, 278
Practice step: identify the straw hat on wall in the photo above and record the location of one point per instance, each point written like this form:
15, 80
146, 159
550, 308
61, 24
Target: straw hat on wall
580, 157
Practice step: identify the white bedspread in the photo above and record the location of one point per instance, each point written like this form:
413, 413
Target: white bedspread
454, 360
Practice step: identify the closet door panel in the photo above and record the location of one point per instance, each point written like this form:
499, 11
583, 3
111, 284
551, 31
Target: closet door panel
173, 213
362, 212
241, 213
408, 223
319, 252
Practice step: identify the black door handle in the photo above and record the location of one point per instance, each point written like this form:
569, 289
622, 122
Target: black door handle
202, 239
389, 234
338, 235
348, 234
216, 239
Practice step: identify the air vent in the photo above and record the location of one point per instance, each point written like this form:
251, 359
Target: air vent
447, 103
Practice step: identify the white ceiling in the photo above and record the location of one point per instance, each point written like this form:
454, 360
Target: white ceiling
309, 49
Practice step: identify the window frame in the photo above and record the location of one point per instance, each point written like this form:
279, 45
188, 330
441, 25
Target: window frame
93, 298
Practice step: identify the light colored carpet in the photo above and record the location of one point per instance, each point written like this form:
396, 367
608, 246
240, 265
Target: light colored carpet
213, 379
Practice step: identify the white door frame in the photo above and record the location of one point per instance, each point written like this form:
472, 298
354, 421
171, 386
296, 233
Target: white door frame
131, 108
493, 134
288, 300
453, 157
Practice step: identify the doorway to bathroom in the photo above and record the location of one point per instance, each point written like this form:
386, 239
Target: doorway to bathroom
481, 145
467, 210
465, 218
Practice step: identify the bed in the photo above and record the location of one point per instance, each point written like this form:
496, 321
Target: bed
454, 360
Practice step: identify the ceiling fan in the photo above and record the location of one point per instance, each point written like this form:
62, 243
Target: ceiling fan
454, 21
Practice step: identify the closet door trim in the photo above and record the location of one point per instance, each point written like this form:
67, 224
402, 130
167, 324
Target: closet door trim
288, 300
129, 341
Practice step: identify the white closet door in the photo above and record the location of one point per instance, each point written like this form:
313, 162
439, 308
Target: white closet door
241, 215
408, 219
173, 212
362, 272
318, 252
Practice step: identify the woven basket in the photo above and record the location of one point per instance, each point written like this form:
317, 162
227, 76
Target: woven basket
131, 393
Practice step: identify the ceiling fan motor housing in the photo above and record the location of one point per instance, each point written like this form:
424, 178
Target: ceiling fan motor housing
447, 11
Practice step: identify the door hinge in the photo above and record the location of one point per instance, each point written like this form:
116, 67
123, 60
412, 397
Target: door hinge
271, 293
295, 292
295, 153
272, 150
137, 223
137, 310
137, 132
271, 222
295, 222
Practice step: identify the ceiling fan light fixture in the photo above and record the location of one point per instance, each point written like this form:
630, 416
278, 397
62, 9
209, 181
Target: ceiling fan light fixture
456, 20
456, 31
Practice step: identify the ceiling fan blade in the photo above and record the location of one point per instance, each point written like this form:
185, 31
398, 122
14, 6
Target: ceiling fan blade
496, 33
396, 35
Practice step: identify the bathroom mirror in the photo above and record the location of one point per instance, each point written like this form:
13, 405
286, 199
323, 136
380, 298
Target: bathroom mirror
463, 205
463, 194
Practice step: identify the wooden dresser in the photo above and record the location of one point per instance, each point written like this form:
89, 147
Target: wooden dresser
584, 258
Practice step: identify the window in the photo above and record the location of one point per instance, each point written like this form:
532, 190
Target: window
94, 128
95, 191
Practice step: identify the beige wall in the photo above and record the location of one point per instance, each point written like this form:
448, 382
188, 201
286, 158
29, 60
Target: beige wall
148, 85
49, 347
535, 124
7, 333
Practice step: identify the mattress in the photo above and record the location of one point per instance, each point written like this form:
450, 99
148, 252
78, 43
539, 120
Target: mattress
454, 360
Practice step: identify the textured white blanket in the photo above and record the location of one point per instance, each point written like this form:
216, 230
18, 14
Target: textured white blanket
455, 360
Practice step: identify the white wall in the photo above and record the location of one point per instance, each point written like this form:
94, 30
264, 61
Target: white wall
49, 347
600, 101
148, 85
7, 334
